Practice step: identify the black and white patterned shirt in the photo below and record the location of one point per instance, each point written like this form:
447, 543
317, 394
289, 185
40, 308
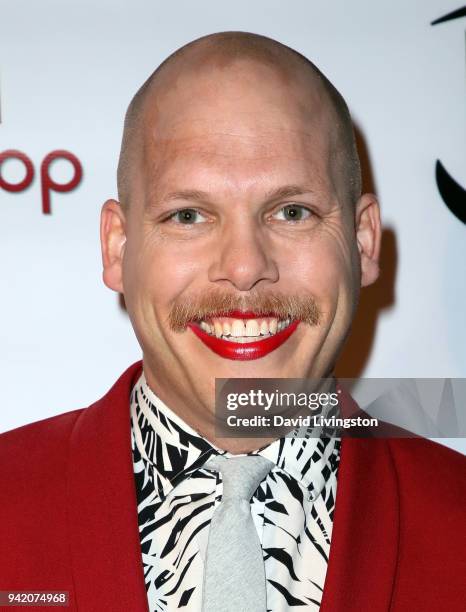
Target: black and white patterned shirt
292, 509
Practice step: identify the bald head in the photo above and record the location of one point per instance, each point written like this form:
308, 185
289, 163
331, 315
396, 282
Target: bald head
294, 78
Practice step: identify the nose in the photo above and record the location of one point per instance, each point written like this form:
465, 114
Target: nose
242, 258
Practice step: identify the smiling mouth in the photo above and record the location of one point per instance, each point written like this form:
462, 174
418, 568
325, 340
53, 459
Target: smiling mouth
243, 335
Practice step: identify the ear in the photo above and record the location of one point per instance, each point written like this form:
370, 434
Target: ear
112, 242
368, 235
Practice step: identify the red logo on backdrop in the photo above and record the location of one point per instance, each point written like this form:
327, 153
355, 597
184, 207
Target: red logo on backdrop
47, 183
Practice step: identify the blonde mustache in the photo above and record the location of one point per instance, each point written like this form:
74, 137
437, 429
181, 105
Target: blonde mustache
218, 303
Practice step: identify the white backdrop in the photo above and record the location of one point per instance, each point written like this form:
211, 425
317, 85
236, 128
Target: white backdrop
68, 71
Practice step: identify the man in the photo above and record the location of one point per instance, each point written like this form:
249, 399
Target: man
240, 242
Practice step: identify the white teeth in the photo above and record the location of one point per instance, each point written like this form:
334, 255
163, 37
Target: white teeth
252, 328
237, 328
247, 330
218, 329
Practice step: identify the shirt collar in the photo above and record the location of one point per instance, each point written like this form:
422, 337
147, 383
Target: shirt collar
175, 450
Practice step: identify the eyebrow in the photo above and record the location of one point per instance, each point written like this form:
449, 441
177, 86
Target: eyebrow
287, 191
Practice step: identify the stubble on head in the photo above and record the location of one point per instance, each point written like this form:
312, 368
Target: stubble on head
218, 52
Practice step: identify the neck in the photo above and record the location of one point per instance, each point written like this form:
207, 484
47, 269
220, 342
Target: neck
202, 420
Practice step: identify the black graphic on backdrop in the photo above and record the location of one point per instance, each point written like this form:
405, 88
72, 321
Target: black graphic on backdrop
453, 194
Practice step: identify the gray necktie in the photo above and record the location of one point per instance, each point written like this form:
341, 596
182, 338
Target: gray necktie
234, 574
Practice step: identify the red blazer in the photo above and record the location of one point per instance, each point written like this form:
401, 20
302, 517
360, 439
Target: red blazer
68, 517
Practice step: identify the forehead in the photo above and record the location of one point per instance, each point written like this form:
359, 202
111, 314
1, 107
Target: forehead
239, 128
233, 162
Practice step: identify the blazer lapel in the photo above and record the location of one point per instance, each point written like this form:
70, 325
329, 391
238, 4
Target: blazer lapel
364, 548
102, 508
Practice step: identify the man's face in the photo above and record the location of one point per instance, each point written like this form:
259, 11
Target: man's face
237, 196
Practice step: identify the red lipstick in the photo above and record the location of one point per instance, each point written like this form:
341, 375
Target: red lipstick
243, 351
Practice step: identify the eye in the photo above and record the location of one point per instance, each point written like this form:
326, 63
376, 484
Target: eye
293, 212
186, 216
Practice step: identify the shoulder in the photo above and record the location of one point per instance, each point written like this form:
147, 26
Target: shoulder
45, 433
423, 455
46, 441
30, 455
431, 477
